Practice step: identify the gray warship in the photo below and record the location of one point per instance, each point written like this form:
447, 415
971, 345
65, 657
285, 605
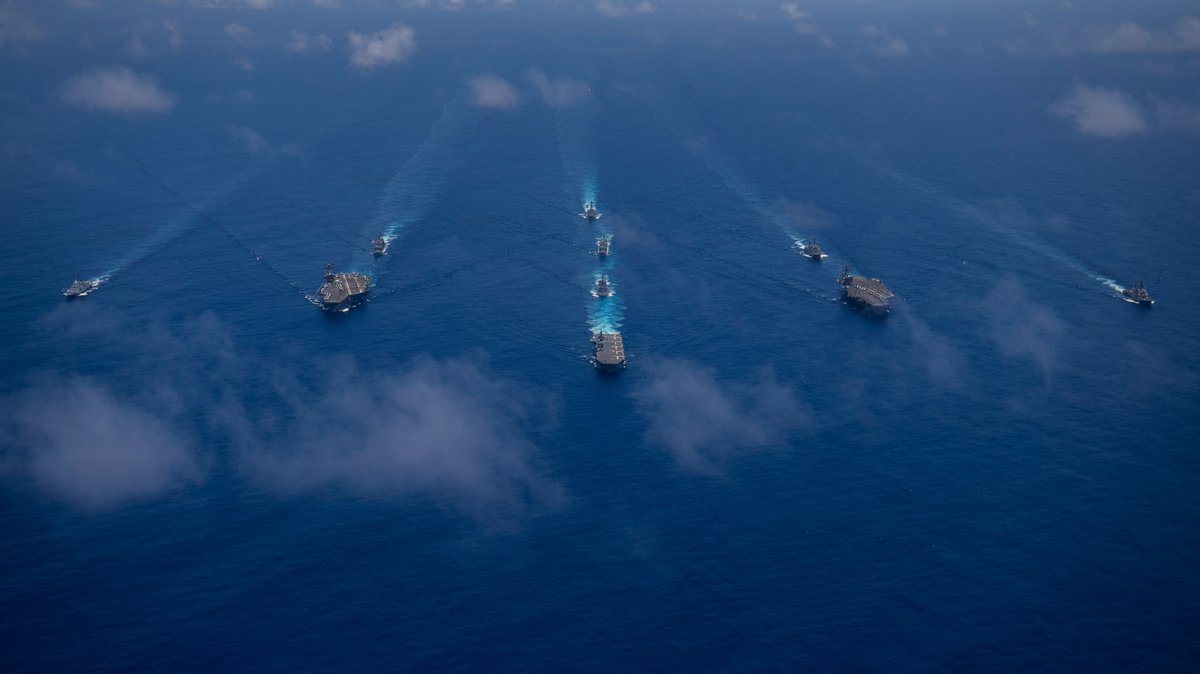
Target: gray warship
342, 290
590, 212
379, 247
602, 246
81, 287
1138, 295
602, 287
811, 250
867, 294
609, 351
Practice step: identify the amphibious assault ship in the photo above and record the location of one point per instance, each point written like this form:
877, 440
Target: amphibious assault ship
602, 287
590, 212
609, 351
342, 290
81, 287
868, 294
811, 250
1138, 295
602, 246
379, 247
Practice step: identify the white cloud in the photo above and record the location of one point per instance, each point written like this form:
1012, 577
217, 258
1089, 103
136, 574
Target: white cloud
235, 4
302, 42
892, 47
490, 91
117, 89
16, 28
239, 34
1184, 35
560, 91
328, 4
251, 139
107, 451
1098, 111
615, 9
803, 24
703, 421
390, 45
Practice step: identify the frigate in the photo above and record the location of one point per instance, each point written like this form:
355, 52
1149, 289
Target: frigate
342, 290
609, 351
1138, 295
81, 287
868, 294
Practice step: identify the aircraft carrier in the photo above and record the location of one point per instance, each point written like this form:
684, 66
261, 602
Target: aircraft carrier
342, 290
867, 294
609, 351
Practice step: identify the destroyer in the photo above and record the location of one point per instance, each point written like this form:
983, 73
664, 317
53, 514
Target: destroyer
342, 290
81, 287
609, 351
1138, 295
868, 294
811, 250
379, 247
602, 287
602, 246
590, 212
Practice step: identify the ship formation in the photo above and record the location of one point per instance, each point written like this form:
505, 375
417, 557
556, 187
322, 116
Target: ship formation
608, 346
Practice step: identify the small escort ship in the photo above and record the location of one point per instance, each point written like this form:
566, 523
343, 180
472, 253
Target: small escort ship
602, 287
602, 246
379, 247
811, 250
590, 212
81, 287
1138, 295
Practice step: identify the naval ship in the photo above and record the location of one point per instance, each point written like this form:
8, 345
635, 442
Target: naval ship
609, 352
602, 246
602, 288
342, 290
811, 250
81, 287
379, 247
867, 294
1138, 295
590, 212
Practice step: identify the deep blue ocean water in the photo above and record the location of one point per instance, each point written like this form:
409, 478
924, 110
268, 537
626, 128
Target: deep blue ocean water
1002, 475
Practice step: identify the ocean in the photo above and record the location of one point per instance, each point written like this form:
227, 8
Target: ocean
200, 470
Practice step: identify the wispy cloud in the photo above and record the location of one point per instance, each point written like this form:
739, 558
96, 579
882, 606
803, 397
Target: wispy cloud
105, 450
390, 45
302, 42
879, 40
117, 89
617, 9
239, 34
490, 91
704, 421
250, 139
442, 428
147, 37
1023, 328
559, 91
15, 27
235, 4
1099, 111
803, 23
1183, 35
